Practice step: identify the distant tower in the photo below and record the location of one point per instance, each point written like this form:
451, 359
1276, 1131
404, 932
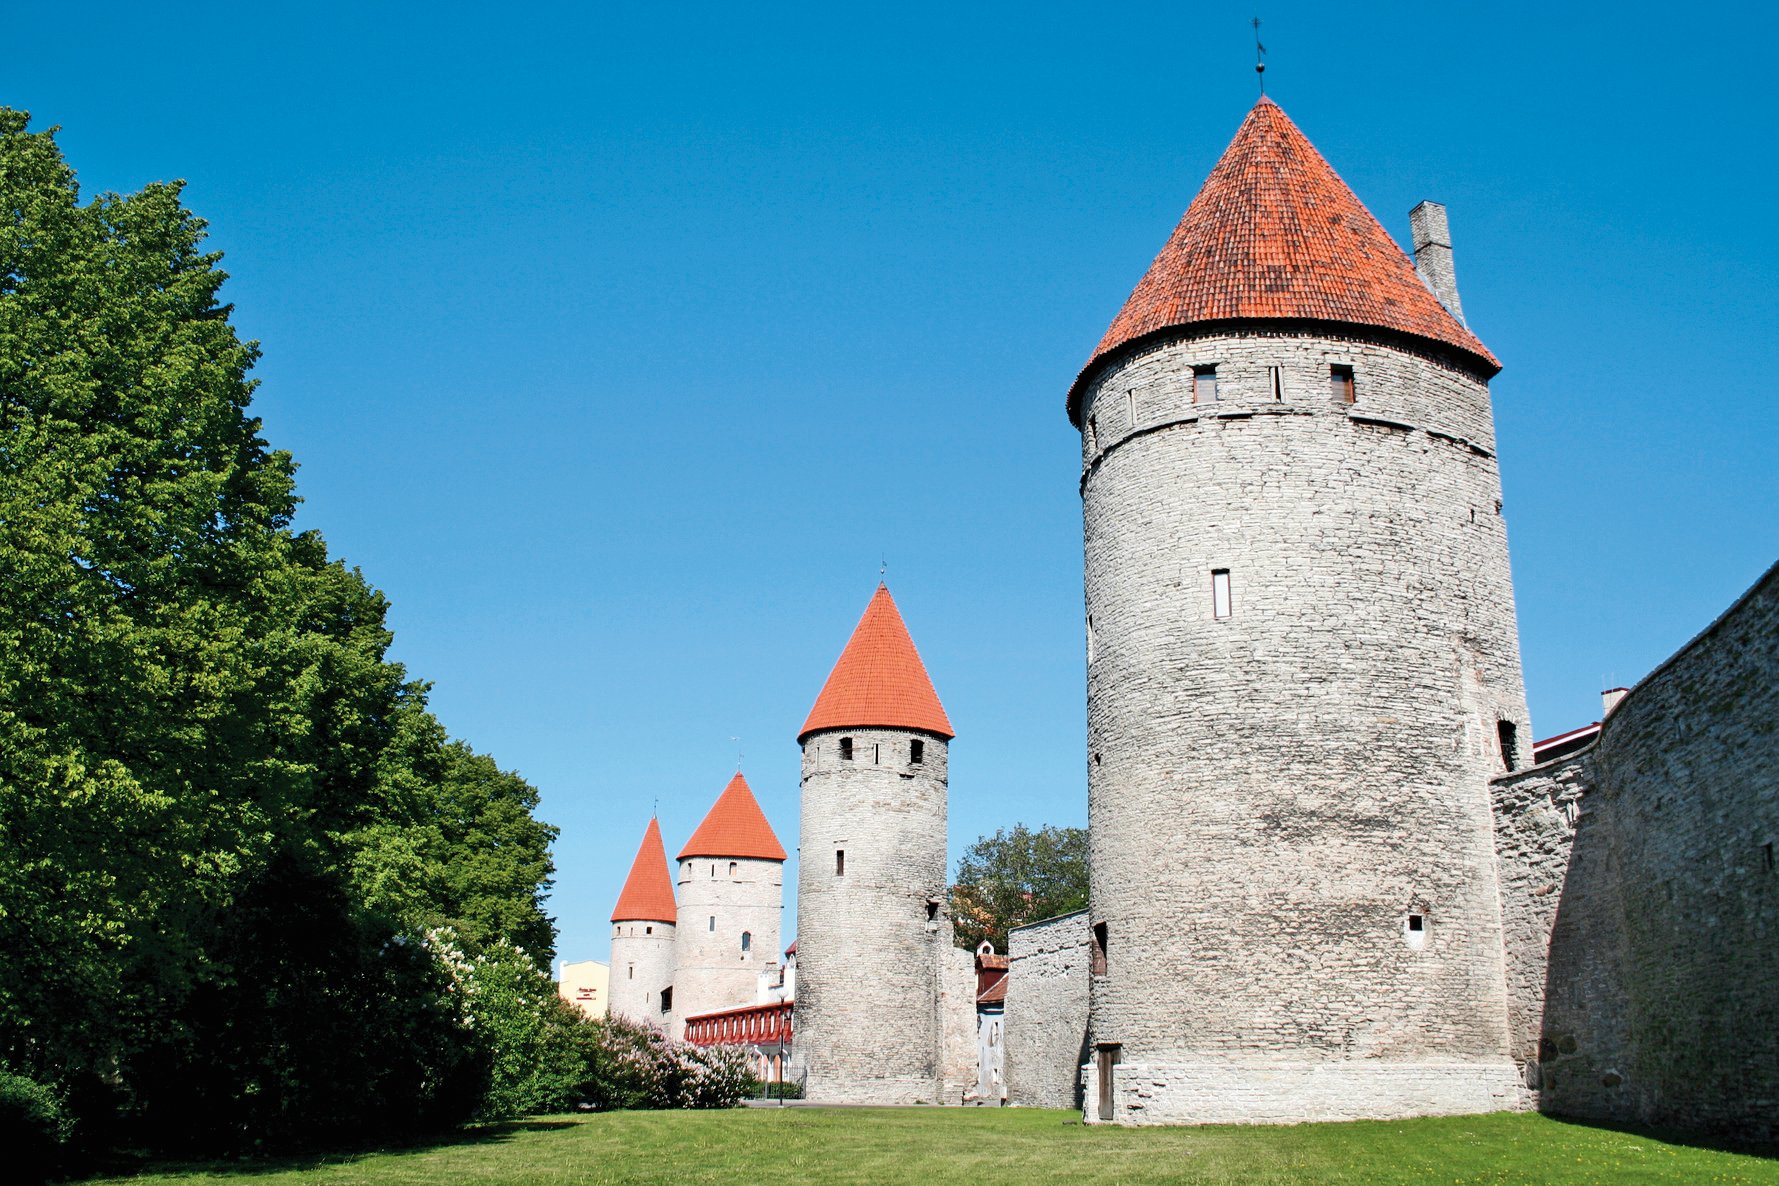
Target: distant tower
731, 895
1303, 666
873, 933
642, 937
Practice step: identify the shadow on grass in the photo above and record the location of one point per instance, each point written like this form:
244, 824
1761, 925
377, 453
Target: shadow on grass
249, 1165
1715, 1142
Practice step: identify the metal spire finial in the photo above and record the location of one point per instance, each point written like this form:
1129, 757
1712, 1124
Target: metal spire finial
1259, 57
739, 756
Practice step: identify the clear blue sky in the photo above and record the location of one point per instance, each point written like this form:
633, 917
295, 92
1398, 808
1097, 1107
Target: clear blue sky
619, 345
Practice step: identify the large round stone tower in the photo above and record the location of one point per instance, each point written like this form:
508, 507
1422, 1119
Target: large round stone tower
643, 937
1303, 666
731, 899
874, 937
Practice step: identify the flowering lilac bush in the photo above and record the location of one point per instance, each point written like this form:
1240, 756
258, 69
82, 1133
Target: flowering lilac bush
632, 1065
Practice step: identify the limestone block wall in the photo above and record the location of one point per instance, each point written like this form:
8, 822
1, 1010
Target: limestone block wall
1641, 896
642, 966
730, 911
1288, 802
1046, 1019
873, 936
959, 1049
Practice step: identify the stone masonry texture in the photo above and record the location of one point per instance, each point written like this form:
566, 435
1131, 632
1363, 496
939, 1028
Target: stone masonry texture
874, 942
642, 965
1046, 1020
1277, 796
1642, 900
721, 899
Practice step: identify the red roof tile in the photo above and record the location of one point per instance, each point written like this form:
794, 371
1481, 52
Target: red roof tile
879, 679
994, 994
648, 891
735, 827
1275, 233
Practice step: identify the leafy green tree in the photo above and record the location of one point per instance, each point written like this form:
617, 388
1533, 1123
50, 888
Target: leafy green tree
224, 813
1017, 876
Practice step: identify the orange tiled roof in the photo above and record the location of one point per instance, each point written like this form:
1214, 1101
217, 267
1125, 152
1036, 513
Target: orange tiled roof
735, 827
879, 679
1275, 233
648, 891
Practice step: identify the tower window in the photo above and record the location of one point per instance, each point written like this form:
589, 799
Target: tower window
1340, 380
932, 910
1417, 922
1768, 849
713, 922
846, 749
667, 999
840, 862
874, 754
1277, 381
1507, 733
1090, 638
747, 941
1204, 384
917, 751
1099, 949
1093, 433
1414, 931
648, 930
1220, 596
632, 971
734, 866
1130, 407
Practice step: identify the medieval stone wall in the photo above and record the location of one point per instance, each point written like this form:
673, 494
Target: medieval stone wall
1641, 895
873, 937
1046, 1018
642, 966
730, 910
1277, 796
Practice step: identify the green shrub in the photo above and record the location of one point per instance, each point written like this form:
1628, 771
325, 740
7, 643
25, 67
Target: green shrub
34, 1127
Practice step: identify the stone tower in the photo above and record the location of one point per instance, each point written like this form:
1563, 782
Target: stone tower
731, 896
1302, 666
643, 937
874, 942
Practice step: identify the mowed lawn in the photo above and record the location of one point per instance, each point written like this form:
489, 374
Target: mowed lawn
972, 1147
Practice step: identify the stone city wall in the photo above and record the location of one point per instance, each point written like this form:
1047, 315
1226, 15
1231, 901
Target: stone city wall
1641, 895
1046, 1019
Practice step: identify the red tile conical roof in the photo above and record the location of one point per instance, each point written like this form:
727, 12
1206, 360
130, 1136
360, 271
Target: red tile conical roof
1275, 233
879, 679
735, 827
648, 891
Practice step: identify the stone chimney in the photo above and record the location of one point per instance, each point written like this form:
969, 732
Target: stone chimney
1433, 254
1609, 700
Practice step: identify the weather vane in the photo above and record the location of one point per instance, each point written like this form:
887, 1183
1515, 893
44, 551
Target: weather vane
882, 568
738, 754
1259, 56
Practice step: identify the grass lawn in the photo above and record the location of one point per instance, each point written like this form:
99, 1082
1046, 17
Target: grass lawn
975, 1147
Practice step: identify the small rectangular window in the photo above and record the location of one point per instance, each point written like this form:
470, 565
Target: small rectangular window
1204, 384
1093, 433
713, 922
846, 749
1130, 407
840, 862
1769, 851
1277, 381
874, 754
1220, 597
932, 909
917, 751
1099, 949
667, 999
1340, 378
1416, 923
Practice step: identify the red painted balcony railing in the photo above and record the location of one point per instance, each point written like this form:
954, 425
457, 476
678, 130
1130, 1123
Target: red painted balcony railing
751, 1025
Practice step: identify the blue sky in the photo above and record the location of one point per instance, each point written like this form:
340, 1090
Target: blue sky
619, 346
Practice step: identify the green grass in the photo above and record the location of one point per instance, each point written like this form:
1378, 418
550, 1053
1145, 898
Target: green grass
978, 1147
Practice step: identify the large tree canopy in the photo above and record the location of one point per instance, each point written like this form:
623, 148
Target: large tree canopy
1017, 876
224, 813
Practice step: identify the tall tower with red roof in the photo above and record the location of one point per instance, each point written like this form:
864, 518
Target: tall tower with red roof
643, 926
1302, 663
731, 903
877, 975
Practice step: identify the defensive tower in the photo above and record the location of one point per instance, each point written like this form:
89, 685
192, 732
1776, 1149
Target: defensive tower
731, 895
874, 938
1302, 663
643, 936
